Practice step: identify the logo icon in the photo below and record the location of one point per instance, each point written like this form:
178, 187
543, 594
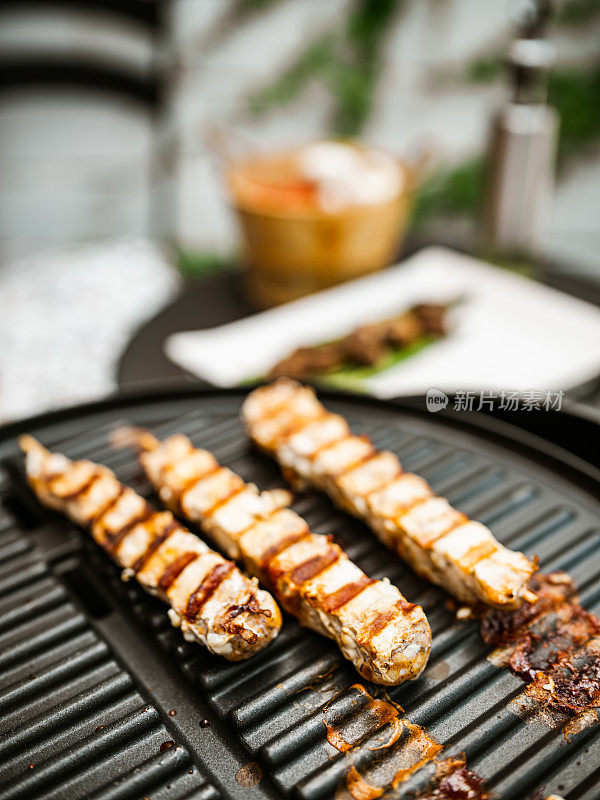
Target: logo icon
436, 400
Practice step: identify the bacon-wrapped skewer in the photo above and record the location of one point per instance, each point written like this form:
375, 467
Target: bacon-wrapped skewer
211, 600
317, 447
386, 638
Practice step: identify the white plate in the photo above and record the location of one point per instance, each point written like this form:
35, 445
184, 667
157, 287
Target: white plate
509, 333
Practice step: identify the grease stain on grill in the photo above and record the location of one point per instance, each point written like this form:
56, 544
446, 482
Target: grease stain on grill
580, 723
359, 788
166, 745
410, 751
439, 671
553, 645
369, 715
420, 743
379, 723
321, 684
249, 775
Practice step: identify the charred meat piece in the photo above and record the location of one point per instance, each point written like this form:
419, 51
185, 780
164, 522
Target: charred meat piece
405, 330
310, 360
441, 544
432, 317
386, 638
366, 345
210, 599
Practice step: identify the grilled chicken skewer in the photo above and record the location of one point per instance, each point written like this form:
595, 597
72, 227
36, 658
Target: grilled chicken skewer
211, 600
317, 447
386, 638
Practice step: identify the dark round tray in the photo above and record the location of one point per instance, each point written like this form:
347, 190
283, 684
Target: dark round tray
269, 710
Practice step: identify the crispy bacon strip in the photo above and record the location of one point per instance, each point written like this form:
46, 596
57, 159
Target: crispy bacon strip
315, 446
204, 590
386, 638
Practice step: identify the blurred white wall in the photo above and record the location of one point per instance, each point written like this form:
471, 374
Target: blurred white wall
73, 167
74, 163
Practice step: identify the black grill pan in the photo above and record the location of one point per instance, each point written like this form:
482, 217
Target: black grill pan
101, 698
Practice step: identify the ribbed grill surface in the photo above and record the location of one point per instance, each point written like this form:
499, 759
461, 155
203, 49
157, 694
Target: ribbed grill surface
70, 709
72, 722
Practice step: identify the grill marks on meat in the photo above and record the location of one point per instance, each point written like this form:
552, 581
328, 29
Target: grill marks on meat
314, 566
113, 539
365, 345
167, 560
553, 645
208, 586
335, 600
174, 570
161, 537
441, 544
386, 638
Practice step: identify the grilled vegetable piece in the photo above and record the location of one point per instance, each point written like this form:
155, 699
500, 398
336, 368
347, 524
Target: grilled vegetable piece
211, 600
315, 446
386, 638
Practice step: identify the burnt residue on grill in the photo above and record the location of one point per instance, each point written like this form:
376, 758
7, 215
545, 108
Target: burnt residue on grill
572, 684
454, 781
369, 714
382, 747
553, 645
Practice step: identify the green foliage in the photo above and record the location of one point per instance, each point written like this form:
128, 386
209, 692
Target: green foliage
578, 12
575, 93
241, 10
287, 87
456, 191
347, 60
485, 69
194, 265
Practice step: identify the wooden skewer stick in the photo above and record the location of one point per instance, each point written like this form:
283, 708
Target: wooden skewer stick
132, 436
28, 444
529, 596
